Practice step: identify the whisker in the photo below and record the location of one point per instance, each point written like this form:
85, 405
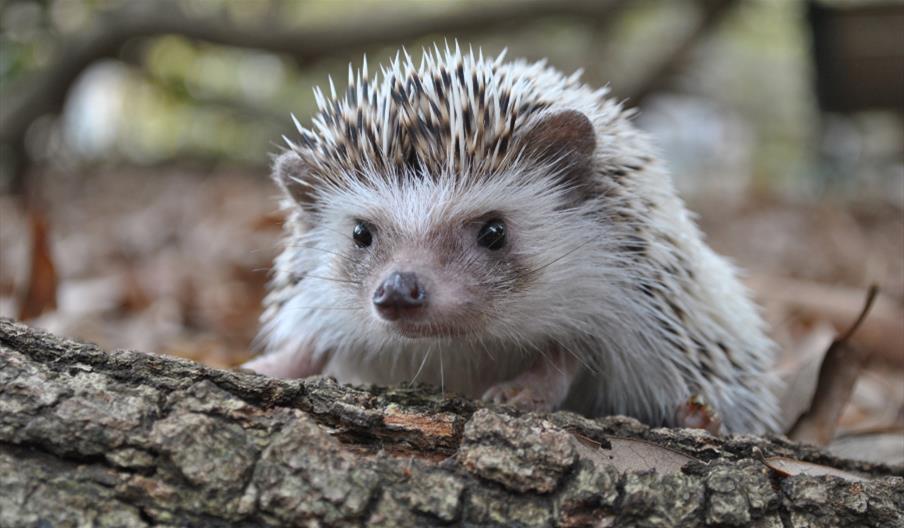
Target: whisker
423, 362
581, 359
546, 357
333, 279
483, 344
442, 375
324, 250
336, 231
296, 308
560, 257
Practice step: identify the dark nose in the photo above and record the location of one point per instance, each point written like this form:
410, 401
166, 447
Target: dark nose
401, 294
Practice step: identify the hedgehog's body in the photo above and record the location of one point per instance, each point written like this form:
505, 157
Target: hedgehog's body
514, 237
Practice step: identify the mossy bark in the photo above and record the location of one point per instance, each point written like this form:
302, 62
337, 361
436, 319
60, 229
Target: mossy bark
123, 438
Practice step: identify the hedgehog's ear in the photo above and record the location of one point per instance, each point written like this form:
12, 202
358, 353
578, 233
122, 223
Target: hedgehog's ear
567, 140
293, 175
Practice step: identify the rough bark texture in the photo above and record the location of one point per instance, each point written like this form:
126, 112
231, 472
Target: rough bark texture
122, 438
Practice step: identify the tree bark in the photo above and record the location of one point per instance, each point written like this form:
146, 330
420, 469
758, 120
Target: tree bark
123, 438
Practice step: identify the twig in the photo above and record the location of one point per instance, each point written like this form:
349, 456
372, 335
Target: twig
45, 91
837, 375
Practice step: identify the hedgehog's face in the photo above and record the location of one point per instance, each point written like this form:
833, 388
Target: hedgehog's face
428, 260
429, 255
419, 257
420, 275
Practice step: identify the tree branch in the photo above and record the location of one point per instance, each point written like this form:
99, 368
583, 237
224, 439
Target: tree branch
130, 439
45, 91
658, 76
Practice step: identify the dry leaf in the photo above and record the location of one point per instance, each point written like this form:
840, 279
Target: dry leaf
629, 454
800, 372
41, 292
788, 467
882, 333
134, 297
839, 371
269, 222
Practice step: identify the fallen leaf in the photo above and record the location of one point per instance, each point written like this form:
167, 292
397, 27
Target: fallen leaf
788, 467
269, 222
134, 296
882, 333
801, 371
837, 375
41, 292
629, 454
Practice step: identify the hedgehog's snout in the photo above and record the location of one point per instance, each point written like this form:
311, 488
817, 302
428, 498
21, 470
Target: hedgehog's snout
401, 295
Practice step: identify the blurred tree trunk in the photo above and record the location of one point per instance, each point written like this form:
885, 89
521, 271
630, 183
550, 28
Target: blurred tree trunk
45, 91
131, 439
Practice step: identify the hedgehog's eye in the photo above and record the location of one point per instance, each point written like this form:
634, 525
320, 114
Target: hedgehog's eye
492, 235
362, 235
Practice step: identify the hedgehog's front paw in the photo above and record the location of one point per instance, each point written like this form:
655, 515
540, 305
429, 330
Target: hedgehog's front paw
519, 396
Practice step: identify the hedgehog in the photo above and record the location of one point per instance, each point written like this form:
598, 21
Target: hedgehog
503, 231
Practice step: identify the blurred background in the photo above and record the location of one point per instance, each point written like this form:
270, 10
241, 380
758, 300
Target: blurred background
136, 209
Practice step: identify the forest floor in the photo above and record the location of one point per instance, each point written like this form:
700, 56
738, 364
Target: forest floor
176, 262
